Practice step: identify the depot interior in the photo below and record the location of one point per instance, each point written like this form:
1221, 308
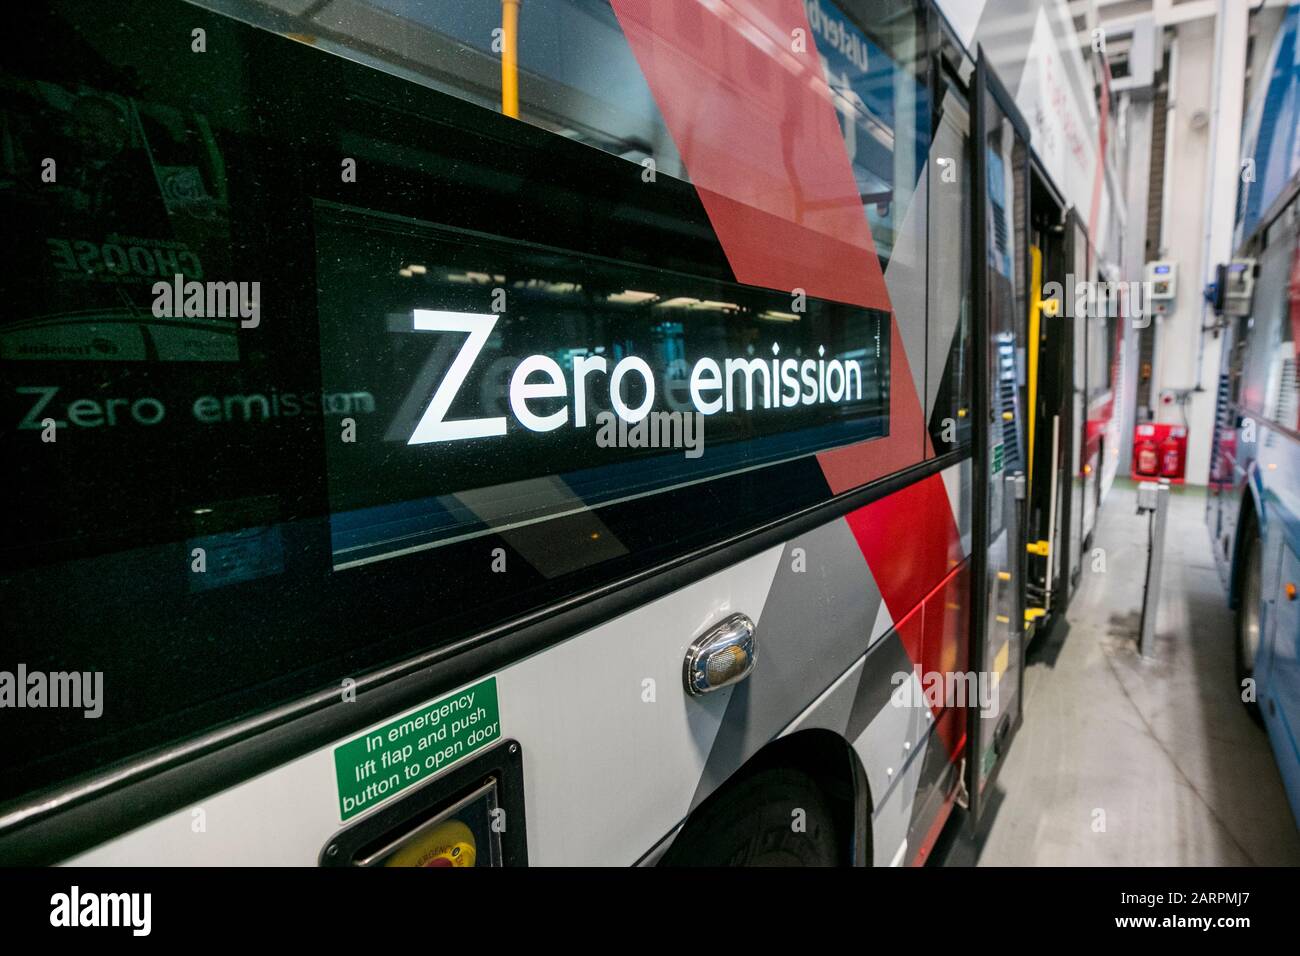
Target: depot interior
1165, 746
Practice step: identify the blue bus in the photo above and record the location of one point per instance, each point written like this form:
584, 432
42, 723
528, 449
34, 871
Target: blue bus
1253, 506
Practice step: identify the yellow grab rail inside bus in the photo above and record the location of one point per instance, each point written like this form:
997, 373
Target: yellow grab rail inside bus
509, 58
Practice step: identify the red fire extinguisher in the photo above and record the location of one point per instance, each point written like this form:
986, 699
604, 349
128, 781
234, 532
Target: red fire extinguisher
1171, 458
1148, 461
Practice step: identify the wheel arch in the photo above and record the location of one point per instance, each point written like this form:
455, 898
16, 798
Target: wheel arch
1249, 516
831, 761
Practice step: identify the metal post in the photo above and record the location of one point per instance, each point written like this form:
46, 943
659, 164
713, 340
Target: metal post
1014, 492
1154, 499
1052, 560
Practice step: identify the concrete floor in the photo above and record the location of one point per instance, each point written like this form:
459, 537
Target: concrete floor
1132, 762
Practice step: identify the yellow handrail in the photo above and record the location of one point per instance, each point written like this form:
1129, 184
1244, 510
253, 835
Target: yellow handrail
510, 58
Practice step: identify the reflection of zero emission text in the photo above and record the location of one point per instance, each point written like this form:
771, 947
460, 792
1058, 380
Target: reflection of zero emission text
44, 402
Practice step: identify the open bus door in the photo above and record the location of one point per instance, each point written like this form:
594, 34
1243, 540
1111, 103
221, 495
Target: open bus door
1076, 237
1051, 376
1002, 262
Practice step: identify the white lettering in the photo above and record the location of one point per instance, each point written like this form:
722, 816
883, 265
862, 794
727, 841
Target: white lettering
432, 426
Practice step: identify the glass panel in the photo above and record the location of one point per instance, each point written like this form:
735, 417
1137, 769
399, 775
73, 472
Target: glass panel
1268, 379
1006, 198
645, 380
950, 351
577, 76
1101, 352
871, 51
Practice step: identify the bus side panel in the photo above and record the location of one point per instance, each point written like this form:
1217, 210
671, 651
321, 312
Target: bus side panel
881, 590
615, 754
1256, 464
1279, 672
444, 168
909, 746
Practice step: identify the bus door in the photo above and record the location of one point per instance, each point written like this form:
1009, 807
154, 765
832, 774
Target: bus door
1001, 201
1077, 261
1049, 357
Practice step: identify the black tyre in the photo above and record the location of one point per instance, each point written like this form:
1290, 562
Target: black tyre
753, 824
1249, 619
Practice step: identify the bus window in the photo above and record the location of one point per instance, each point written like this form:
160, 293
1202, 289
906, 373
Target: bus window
1268, 373
877, 79
643, 380
1102, 342
577, 76
949, 353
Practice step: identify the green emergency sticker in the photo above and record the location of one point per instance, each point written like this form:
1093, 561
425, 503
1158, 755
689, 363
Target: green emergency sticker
383, 762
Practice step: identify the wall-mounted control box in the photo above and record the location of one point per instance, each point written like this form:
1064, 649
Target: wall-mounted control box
1162, 279
1237, 285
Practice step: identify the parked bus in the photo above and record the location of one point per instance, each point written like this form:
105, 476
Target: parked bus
1253, 505
461, 433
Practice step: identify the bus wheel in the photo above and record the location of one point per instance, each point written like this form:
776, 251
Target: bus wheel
775, 817
1249, 620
